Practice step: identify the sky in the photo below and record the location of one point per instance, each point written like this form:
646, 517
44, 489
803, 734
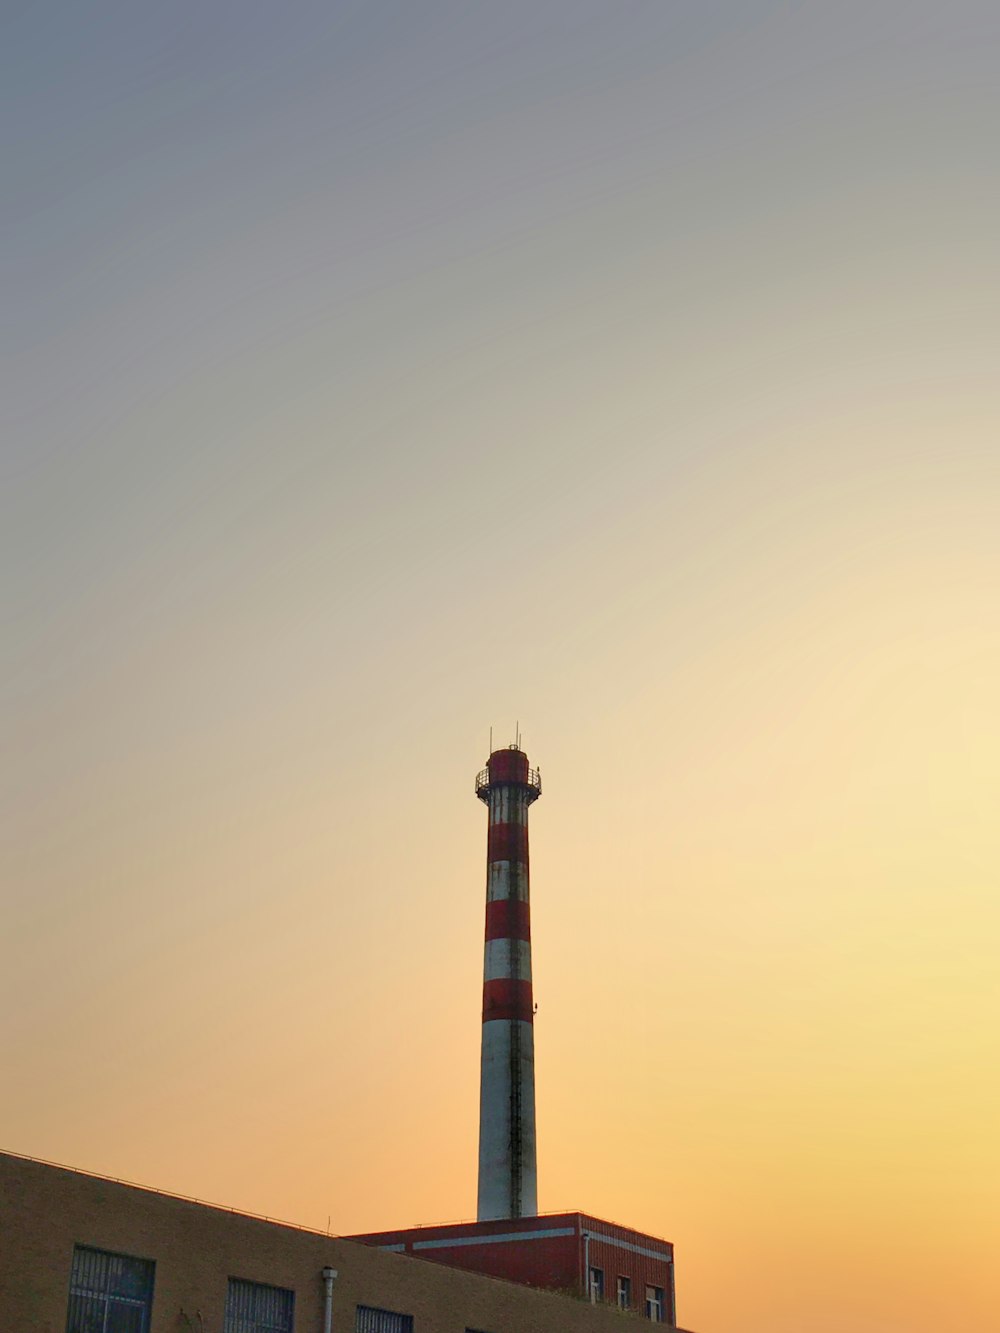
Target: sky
380, 373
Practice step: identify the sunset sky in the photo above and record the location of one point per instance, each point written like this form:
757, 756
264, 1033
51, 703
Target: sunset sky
380, 372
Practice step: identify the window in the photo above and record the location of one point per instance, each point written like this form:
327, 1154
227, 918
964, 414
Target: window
624, 1293
370, 1320
109, 1293
596, 1285
654, 1304
252, 1307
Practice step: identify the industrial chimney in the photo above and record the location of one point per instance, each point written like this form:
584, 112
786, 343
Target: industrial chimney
507, 1168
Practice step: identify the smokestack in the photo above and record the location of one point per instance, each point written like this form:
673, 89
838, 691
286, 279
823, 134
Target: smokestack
507, 1168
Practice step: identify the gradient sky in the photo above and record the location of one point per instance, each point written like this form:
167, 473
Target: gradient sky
378, 372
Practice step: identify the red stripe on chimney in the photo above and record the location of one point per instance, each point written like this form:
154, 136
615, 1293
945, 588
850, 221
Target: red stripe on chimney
507, 842
507, 999
508, 919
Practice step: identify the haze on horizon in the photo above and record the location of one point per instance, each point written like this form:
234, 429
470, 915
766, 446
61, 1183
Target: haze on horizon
380, 372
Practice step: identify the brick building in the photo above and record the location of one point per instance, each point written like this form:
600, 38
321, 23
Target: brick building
570, 1252
81, 1251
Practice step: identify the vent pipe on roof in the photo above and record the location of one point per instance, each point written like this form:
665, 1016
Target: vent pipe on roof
329, 1274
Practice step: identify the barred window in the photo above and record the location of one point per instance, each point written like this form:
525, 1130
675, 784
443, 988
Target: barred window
109, 1293
370, 1320
253, 1307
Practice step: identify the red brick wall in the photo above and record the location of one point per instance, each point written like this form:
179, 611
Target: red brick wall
553, 1262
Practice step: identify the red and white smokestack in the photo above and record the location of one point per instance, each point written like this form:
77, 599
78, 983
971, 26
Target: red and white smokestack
508, 1185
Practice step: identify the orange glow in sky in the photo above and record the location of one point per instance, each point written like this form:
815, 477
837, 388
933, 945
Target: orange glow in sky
627, 372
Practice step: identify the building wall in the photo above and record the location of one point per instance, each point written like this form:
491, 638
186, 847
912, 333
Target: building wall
545, 1260
46, 1210
620, 1251
547, 1252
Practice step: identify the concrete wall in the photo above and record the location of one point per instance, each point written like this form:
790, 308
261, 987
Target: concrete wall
45, 1210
